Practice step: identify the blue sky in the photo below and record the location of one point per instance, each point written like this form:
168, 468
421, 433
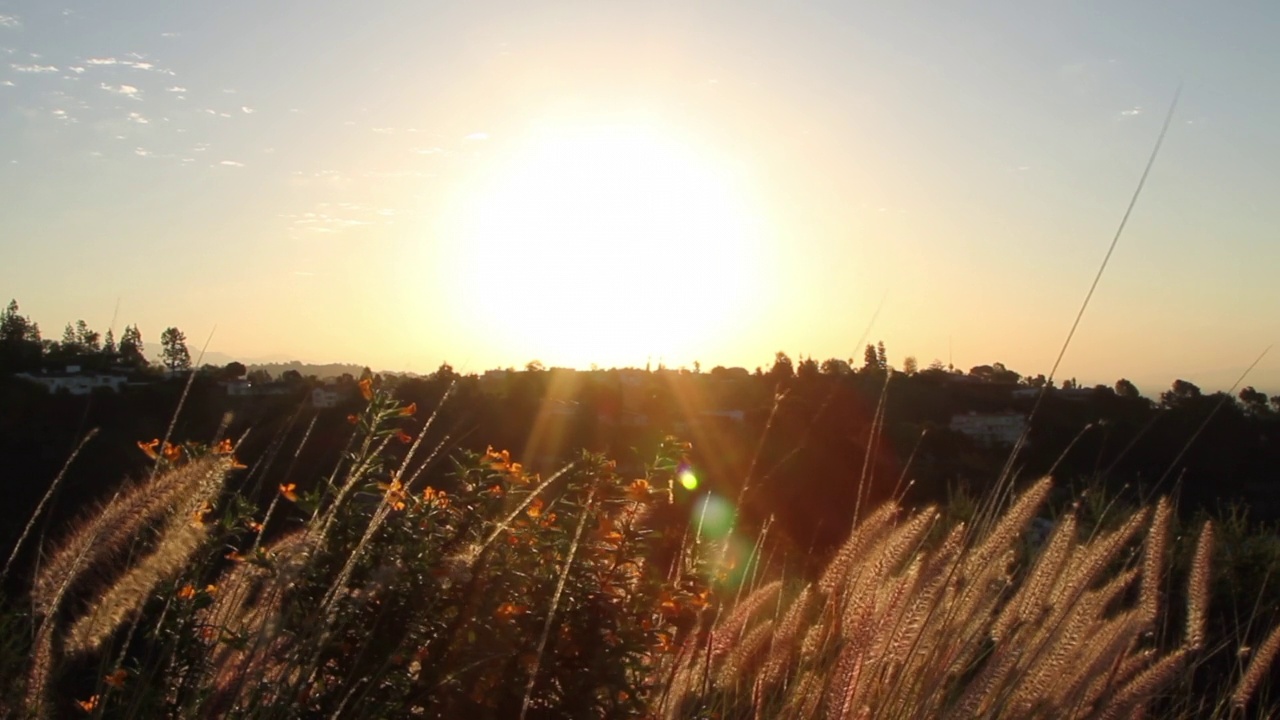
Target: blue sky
292, 174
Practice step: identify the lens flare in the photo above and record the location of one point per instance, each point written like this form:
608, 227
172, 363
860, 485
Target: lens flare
688, 480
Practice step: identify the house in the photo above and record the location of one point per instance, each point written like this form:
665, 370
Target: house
990, 429
75, 382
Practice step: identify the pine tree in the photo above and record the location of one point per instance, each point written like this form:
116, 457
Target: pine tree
173, 351
109, 344
131, 347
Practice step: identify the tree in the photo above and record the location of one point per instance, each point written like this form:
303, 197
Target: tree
69, 344
870, 359
173, 352
234, 370
20, 346
782, 369
1126, 389
834, 366
910, 366
807, 369
534, 366
258, 376
1254, 400
1181, 393
88, 340
131, 347
291, 376
882, 358
109, 344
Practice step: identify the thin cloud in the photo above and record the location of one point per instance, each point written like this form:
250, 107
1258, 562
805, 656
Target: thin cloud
429, 151
142, 152
76, 69
7, 83
102, 61
1132, 112
10, 21
478, 136
139, 118
246, 109
231, 163
33, 68
175, 89
169, 35
126, 90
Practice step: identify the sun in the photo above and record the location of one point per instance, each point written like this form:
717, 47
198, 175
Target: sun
615, 244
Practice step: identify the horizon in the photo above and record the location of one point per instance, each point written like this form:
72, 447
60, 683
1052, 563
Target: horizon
485, 187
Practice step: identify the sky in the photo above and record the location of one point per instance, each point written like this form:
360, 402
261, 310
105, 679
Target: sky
402, 183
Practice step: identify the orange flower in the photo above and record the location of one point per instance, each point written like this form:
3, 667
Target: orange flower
197, 518
495, 491
639, 490
507, 610
549, 520
117, 678
288, 492
395, 493
404, 437
172, 453
150, 448
434, 497
234, 556
409, 410
535, 508
187, 592
664, 643
353, 418
366, 388
211, 589
223, 448
254, 526
88, 705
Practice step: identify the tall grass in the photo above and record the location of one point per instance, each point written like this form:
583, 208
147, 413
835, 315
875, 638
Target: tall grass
506, 594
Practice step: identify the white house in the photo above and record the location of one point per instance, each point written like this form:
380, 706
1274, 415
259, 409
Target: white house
328, 396
76, 383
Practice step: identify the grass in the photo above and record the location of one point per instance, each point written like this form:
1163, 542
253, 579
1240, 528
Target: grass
576, 595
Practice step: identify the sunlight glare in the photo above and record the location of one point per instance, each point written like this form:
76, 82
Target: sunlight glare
617, 242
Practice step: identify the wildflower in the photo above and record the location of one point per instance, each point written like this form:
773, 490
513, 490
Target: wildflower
211, 589
172, 453
288, 492
639, 490
507, 610
495, 491
197, 518
395, 493
353, 418
187, 592
117, 678
404, 437
366, 388
254, 526
88, 705
409, 410
664, 644
549, 520
150, 448
535, 508
223, 448
234, 556
435, 498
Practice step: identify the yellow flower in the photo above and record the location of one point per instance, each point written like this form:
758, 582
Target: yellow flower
366, 388
436, 498
288, 492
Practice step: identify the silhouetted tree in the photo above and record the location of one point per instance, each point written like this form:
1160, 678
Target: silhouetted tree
870, 359
174, 353
782, 369
807, 369
20, 346
882, 358
109, 343
1180, 393
910, 366
69, 344
258, 376
131, 347
534, 366
234, 370
293, 377
1126, 389
1253, 400
88, 340
835, 366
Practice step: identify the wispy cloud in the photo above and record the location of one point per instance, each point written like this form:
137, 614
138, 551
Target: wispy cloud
169, 35
142, 152
1132, 112
139, 118
478, 136
9, 21
175, 89
429, 151
126, 90
246, 110
76, 69
33, 68
231, 163
102, 61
